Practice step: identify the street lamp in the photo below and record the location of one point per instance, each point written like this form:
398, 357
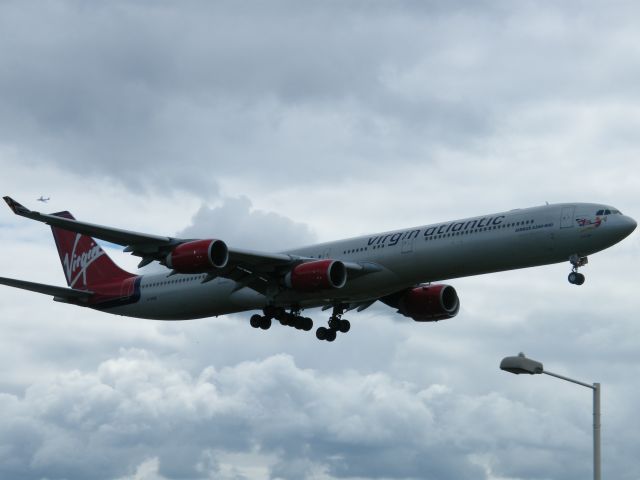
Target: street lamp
522, 364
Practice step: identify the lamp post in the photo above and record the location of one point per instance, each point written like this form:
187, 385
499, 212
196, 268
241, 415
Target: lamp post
522, 364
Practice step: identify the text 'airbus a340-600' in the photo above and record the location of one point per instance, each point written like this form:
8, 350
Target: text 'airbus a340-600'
206, 277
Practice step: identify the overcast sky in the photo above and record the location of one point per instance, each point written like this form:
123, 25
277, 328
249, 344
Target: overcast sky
276, 124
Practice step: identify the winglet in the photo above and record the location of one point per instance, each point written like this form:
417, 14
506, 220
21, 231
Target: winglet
16, 207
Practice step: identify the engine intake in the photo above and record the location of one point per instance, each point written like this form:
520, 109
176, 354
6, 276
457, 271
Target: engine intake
317, 275
427, 303
198, 256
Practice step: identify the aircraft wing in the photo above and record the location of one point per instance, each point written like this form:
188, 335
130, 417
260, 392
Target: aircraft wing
59, 293
109, 234
141, 244
249, 268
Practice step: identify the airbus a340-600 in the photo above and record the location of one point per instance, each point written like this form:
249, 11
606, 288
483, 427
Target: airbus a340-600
206, 277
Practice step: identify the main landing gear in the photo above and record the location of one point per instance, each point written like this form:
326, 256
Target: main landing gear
336, 324
577, 261
297, 321
289, 319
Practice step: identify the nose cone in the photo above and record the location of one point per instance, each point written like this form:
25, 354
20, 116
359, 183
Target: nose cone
626, 226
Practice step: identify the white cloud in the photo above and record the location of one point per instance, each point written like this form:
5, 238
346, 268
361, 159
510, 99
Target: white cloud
147, 470
240, 226
138, 405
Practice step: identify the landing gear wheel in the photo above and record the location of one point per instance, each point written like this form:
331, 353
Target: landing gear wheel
287, 320
265, 323
331, 335
344, 326
321, 333
299, 323
334, 323
307, 324
576, 278
255, 321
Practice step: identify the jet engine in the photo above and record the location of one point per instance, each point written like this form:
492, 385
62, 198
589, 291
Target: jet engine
317, 275
426, 303
198, 256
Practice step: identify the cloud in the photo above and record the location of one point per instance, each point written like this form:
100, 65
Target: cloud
137, 416
147, 470
241, 226
157, 96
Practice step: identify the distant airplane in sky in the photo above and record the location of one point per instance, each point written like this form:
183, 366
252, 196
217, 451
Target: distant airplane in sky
205, 277
43, 199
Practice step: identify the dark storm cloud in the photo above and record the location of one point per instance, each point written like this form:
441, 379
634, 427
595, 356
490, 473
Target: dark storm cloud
166, 95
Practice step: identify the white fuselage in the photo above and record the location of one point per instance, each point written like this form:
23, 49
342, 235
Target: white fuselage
403, 258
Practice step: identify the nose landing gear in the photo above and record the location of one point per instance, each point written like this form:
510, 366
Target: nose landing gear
576, 278
577, 261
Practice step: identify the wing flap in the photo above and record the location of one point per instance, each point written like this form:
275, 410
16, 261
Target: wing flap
358, 269
260, 261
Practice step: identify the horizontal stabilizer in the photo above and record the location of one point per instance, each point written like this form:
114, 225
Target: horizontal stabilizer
62, 293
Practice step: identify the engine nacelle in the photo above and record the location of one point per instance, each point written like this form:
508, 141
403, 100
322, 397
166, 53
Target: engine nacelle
317, 275
198, 256
429, 303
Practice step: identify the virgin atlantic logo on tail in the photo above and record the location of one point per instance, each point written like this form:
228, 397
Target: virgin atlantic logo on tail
77, 264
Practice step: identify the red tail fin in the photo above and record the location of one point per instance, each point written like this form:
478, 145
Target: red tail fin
86, 265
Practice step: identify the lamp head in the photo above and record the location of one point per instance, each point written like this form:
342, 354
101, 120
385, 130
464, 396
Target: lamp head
521, 364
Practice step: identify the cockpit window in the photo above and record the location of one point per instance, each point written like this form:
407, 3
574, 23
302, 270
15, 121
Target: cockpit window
608, 212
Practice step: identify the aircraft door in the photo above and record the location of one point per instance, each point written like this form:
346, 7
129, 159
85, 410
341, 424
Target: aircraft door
407, 245
567, 216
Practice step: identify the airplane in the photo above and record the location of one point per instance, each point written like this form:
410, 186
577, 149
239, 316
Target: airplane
43, 199
206, 277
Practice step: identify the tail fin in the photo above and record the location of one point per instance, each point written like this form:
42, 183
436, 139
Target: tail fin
86, 265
